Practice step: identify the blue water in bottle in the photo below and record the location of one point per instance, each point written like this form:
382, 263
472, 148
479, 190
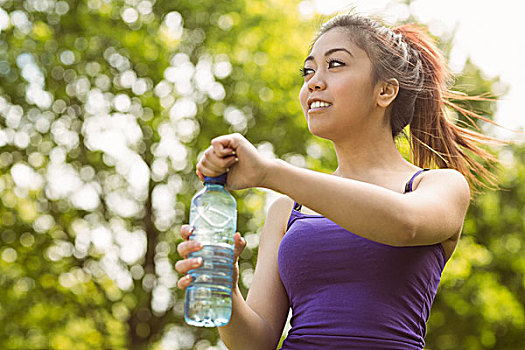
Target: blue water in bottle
213, 215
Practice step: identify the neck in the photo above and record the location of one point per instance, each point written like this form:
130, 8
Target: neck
362, 156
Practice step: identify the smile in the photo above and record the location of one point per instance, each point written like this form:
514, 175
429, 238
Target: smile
319, 104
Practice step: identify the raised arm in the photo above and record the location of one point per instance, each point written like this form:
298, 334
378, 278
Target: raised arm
432, 214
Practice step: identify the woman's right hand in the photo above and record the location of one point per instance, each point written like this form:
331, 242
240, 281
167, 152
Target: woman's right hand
188, 246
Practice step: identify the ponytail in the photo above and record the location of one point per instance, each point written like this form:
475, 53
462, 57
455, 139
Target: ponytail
435, 140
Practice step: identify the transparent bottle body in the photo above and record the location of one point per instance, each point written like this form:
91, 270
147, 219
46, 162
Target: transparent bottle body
213, 215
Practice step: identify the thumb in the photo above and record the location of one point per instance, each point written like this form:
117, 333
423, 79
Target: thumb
239, 245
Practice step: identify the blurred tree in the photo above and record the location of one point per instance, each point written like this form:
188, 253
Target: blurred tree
104, 108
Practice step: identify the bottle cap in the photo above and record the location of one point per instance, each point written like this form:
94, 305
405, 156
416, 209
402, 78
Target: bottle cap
221, 179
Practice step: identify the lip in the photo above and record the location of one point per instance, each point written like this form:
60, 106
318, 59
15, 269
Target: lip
318, 109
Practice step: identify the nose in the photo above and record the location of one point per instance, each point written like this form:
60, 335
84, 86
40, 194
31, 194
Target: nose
316, 83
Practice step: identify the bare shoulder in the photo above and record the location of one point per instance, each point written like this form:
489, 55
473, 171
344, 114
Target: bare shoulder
274, 226
282, 201
445, 181
279, 212
451, 177
440, 201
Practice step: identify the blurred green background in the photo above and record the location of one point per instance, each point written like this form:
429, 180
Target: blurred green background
105, 106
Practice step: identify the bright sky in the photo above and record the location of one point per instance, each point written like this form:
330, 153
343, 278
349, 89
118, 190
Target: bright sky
490, 32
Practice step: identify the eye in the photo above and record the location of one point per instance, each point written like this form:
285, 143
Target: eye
306, 71
334, 63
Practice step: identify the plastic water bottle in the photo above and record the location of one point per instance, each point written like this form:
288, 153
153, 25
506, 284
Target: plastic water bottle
213, 215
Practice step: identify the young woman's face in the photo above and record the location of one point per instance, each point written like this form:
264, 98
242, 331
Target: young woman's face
338, 91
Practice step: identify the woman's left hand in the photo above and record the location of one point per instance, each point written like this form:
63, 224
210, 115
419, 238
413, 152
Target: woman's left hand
236, 155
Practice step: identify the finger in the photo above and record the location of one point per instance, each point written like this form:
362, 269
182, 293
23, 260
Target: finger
231, 161
183, 266
184, 282
239, 244
215, 163
221, 149
226, 163
219, 158
186, 231
225, 142
210, 161
187, 247
208, 171
218, 151
199, 174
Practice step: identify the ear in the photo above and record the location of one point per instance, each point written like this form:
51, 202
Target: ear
387, 93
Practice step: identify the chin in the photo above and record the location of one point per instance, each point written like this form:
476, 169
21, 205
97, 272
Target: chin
319, 130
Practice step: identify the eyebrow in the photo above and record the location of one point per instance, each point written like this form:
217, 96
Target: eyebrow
329, 52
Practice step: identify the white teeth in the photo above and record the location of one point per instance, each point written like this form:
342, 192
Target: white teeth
319, 104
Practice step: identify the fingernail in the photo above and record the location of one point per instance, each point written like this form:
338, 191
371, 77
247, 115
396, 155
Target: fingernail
236, 159
197, 245
233, 152
197, 261
227, 170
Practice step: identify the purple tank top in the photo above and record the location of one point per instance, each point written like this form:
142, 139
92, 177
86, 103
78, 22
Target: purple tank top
348, 292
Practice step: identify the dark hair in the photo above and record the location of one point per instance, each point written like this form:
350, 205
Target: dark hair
409, 54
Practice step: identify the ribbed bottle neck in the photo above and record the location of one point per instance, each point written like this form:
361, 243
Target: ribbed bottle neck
213, 185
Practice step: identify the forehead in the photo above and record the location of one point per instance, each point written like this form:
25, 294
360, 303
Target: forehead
337, 37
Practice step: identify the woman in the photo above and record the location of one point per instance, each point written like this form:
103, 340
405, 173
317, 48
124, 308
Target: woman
358, 254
